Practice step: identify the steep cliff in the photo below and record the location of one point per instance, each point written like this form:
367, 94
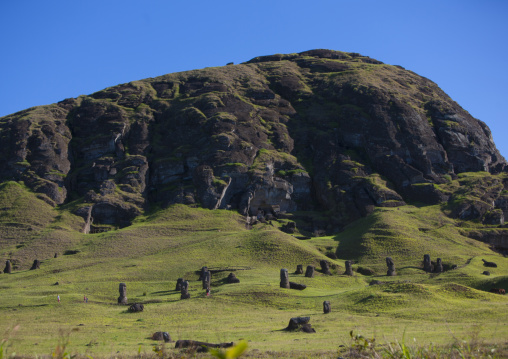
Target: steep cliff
319, 130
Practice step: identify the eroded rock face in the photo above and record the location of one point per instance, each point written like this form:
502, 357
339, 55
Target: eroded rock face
278, 133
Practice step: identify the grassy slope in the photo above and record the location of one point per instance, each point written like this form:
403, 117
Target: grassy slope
150, 255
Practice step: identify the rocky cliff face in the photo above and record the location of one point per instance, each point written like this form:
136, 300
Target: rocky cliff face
322, 129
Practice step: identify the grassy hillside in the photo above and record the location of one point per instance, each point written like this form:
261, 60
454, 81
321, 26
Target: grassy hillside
176, 242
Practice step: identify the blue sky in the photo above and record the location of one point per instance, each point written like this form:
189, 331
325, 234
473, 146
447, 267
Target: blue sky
51, 50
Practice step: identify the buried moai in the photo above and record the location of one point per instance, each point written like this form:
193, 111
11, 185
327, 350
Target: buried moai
8, 267
427, 264
326, 307
284, 278
207, 278
325, 267
391, 267
439, 266
349, 268
36, 265
185, 290
232, 278
309, 273
179, 282
299, 269
122, 299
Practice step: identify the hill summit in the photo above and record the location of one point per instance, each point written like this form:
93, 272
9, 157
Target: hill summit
319, 130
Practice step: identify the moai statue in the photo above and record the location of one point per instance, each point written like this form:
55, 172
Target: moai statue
284, 278
427, 264
439, 266
8, 267
179, 282
36, 265
299, 269
326, 307
325, 267
185, 290
122, 299
232, 278
56, 255
202, 273
349, 268
309, 273
207, 277
391, 267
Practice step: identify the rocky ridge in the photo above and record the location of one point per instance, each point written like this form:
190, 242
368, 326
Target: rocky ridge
319, 130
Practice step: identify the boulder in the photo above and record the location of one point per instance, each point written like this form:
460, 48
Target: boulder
300, 324
136, 307
232, 279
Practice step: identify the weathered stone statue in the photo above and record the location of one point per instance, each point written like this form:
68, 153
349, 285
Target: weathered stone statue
325, 267
326, 307
299, 269
232, 278
284, 278
8, 267
122, 299
185, 290
309, 273
207, 278
349, 268
36, 265
391, 267
179, 282
427, 264
439, 266
202, 273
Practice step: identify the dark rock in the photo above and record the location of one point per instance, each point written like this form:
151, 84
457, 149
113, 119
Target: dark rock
284, 278
489, 264
486, 272
297, 286
179, 282
391, 267
232, 279
427, 264
136, 307
438, 268
349, 268
36, 265
122, 299
161, 336
185, 290
56, 255
299, 269
325, 267
8, 267
309, 273
326, 307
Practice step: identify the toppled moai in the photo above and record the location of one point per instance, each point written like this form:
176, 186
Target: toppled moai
299, 269
284, 278
391, 267
8, 267
439, 266
232, 278
36, 265
185, 290
136, 307
300, 324
489, 264
325, 267
297, 286
179, 282
349, 268
326, 307
207, 278
427, 264
122, 299
309, 273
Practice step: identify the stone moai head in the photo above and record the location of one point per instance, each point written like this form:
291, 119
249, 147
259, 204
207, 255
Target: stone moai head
349, 268
326, 307
439, 266
179, 282
391, 267
325, 266
8, 267
203, 271
185, 290
299, 269
427, 264
122, 289
207, 277
36, 265
284, 278
309, 273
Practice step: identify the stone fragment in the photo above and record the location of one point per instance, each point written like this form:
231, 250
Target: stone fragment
284, 278
122, 299
391, 267
299, 269
309, 273
349, 268
36, 265
326, 307
486, 272
325, 267
427, 264
185, 290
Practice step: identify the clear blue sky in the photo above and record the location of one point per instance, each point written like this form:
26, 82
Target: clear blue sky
51, 50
